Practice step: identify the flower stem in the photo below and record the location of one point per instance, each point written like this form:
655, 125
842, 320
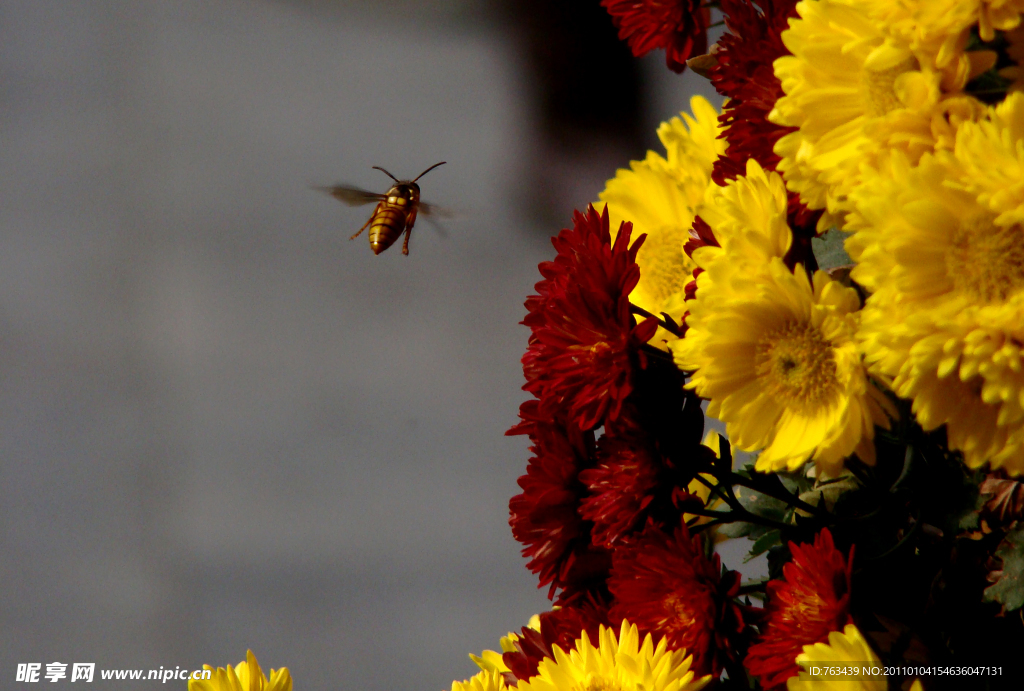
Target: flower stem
719, 489
784, 496
739, 515
671, 328
753, 587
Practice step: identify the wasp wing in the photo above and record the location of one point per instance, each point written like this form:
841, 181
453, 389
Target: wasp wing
436, 211
438, 228
432, 212
353, 196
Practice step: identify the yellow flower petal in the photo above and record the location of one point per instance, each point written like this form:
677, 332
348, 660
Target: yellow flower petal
660, 195
245, 676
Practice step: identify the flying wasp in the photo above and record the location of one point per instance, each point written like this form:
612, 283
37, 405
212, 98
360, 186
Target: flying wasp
396, 209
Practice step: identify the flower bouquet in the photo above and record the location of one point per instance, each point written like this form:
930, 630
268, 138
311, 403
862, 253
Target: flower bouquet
833, 268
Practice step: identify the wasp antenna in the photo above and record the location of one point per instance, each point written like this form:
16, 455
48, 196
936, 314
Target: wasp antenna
429, 169
386, 173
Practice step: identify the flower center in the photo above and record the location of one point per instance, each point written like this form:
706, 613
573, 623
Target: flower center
809, 607
797, 366
881, 87
986, 261
599, 683
664, 269
675, 605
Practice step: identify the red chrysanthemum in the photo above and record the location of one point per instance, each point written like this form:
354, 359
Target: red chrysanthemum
667, 587
581, 352
745, 76
620, 487
678, 26
811, 601
560, 627
646, 459
545, 516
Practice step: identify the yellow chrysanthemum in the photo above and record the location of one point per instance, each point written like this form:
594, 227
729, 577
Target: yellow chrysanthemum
616, 664
940, 27
941, 246
1004, 15
748, 218
491, 660
659, 196
775, 354
856, 85
245, 676
485, 680
847, 649
781, 367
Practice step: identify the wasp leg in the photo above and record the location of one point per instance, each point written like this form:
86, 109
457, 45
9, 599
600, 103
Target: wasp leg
408, 231
368, 222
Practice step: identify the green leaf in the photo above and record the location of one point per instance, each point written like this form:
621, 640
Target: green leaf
747, 470
796, 481
828, 493
1008, 590
970, 517
829, 250
763, 544
743, 529
969, 521
761, 504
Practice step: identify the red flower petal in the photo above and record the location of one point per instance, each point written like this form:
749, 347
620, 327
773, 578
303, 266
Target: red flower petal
620, 488
678, 26
811, 601
545, 517
666, 586
580, 358
745, 76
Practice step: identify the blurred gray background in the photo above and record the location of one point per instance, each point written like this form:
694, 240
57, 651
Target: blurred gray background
223, 425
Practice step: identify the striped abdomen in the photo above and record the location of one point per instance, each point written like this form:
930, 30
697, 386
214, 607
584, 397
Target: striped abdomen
388, 224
